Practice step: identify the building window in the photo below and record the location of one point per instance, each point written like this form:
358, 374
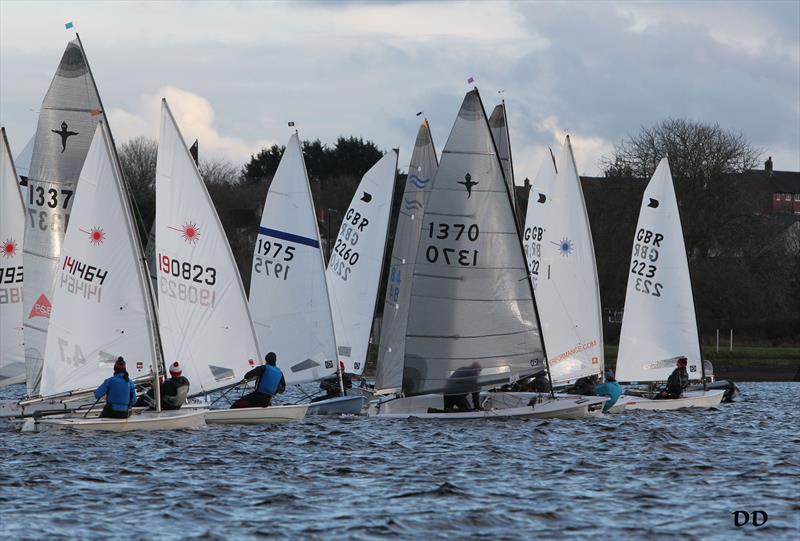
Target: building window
797, 197
777, 197
787, 197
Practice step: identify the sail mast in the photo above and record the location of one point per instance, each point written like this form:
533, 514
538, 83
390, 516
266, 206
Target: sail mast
138, 220
521, 247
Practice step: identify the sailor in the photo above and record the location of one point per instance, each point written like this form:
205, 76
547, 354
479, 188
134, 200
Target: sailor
175, 389
119, 391
585, 386
459, 384
677, 381
541, 383
269, 383
331, 387
610, 388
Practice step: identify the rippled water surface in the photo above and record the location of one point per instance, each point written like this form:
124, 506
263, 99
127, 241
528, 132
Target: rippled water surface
642, 474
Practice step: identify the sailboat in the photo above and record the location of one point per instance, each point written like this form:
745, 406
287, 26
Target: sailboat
204, 318
68, 117
563, 270
288, 291
472, 320
102, 305
659, 322
356, 262
12, 231
498, 123
421, 170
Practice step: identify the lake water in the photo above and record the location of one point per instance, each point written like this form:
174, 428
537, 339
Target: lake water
641, 474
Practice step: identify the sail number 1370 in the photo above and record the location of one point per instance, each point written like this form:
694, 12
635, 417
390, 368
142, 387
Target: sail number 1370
455, 232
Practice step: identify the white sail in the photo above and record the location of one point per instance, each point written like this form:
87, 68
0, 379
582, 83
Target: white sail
498, 123
12, 231
23, 159
354, 268
421, 170
203, 315
288, 293
67, 120
101, 306
471, 303
659, 321
564, 272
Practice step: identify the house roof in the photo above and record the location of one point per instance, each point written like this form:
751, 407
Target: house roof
784, 182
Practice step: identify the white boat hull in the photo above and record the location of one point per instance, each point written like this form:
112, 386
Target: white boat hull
343, 405
257, 416
148, 420
496, 406
690, 399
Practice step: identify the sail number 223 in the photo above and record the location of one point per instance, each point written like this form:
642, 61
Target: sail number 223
456, 232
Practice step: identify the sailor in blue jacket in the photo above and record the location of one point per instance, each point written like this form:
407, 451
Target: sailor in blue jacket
610, 388
269, 383
119, 391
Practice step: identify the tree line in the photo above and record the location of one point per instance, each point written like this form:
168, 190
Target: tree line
744, 276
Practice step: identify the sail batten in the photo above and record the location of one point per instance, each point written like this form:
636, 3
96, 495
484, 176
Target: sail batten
469, 248
290, 307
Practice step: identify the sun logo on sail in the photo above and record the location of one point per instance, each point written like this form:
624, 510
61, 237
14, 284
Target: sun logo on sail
566, 247
9, 248
189, 231
96, 235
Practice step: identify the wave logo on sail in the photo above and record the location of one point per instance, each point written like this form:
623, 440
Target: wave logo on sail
96, 235
9, 248
41, 308
189, 231
412, 204
418, 182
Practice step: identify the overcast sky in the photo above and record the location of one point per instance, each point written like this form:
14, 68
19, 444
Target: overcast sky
235, 73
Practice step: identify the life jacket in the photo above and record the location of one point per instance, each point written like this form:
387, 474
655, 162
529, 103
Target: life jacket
181, 391
268, 384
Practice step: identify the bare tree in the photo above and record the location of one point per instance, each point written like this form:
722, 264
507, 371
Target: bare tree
219, 172
138, 161
697, 151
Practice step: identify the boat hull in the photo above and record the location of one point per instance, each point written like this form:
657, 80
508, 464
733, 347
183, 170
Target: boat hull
148, 421
496, 406
257, 416
343, 405
690, 399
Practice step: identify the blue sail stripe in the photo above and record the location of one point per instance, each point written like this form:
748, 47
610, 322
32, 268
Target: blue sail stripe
418, 182
283, 235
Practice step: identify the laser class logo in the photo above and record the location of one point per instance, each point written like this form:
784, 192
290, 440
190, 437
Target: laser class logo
96, 235
9, 248
189, 231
